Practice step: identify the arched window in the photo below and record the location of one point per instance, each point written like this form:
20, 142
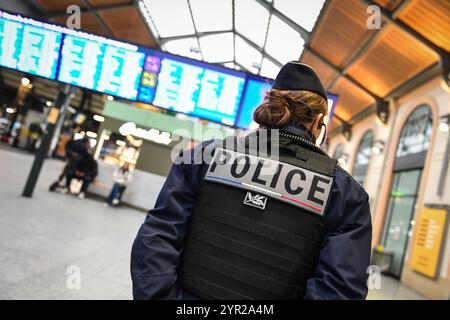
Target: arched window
415, 135
338, 152
411, 154
362, 157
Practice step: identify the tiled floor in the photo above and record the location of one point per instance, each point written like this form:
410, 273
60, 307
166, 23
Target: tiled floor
392, 289
41, 238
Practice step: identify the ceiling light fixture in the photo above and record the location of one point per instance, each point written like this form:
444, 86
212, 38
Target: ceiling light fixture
91, 134
25, 81
98, 118
444, 123
378, 146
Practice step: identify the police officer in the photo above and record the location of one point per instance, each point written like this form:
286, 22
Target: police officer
269, 216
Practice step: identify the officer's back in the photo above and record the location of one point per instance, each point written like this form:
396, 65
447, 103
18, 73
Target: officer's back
268, 216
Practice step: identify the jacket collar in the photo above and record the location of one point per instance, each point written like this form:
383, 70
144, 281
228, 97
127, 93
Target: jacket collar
300, 131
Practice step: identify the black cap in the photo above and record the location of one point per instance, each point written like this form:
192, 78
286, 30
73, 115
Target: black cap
299, 76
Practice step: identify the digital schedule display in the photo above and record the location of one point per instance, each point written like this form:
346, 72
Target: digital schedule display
28, 48
255, 92
101, 67
254, 95
191, 89
131, 72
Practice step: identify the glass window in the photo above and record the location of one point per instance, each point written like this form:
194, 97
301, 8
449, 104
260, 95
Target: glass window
338, 152
217, 48
251, 20
179, 12
365, 149
247, 56
283, 43
414, 138
212, 15
401, 209
362, 157
415, 135
269, 69
302, 12
183, 47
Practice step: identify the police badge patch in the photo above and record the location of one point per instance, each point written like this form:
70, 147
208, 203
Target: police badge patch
255, 200
271, 178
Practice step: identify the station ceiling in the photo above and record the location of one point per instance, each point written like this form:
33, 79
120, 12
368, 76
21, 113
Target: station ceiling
361, 65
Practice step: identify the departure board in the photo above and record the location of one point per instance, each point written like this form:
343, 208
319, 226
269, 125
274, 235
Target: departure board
100, 66
255, 92
191, 89
29, 48
131, 72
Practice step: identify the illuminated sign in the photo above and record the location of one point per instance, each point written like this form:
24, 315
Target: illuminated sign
29, 48
428, 241
129, 128
193, 89
102, 67
136, 73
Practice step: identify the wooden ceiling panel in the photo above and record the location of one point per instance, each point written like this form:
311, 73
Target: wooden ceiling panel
326, 73
128, 24
352, 99
431, 18
335, 123
342, 30
394, 58
89, 23
59, 5
102, 3
390, 5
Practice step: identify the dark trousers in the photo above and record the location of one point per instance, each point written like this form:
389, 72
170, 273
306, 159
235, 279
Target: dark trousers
116, 193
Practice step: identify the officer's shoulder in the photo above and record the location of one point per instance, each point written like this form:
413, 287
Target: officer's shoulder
346, 180
196, 154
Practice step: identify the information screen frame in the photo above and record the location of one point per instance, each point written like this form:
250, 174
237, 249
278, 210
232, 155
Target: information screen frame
207, 67
146, 51
34, 23
107, 43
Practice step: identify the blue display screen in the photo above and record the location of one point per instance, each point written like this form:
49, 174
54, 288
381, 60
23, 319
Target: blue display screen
192, 89
129, 71
28, 48
255, 92
100, 66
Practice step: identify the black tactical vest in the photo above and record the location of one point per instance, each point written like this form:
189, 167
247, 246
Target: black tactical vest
257, 227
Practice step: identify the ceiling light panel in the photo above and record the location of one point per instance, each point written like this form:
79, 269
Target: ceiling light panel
251, 20
302, 12
171, 17
283, 43
217, 48
247, 56
183, 47
212, 15
230, 65
269, 69
145, 13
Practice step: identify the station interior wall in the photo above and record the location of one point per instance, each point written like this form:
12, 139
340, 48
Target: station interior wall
378, 181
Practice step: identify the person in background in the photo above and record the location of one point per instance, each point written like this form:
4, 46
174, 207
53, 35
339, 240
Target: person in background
122, 176
85, 169
35, 133
75, 150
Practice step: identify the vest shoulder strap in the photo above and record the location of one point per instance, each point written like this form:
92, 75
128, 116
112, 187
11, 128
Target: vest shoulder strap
309, 159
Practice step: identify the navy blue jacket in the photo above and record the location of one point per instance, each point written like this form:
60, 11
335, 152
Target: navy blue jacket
341, 272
